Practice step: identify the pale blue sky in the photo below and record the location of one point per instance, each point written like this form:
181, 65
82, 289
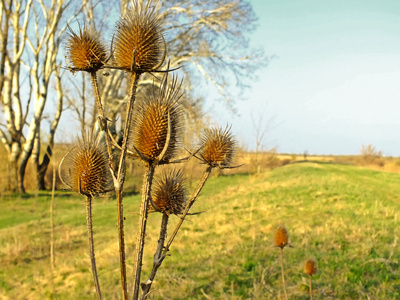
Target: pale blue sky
335, 82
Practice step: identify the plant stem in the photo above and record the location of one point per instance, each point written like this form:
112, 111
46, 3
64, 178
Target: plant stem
52, 222
118, 180
147, 182
119, 183
283, 274
103, 119
188, 206
91, 245
158, 256
162, 251
310, 288
52, 262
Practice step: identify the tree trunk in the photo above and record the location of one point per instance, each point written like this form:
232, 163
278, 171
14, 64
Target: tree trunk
13, 172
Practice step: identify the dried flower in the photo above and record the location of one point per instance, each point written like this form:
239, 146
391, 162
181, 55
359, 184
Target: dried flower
169, 193
85, 168
85, 50
158, 121
140, 30
281, 237
218, 147
310, 267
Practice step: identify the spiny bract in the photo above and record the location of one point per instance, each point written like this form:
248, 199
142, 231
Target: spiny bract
156, 116
139, 31
169, 193
217, 147
85, 51
85, 168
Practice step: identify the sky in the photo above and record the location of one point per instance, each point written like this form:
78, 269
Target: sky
334, 82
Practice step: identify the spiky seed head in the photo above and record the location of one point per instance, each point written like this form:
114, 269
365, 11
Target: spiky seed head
85, 168
139, 30
217, 147
310, 267
169, 193
281, 237
85, 50
153, 114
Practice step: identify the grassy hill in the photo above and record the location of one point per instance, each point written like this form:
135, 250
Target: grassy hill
345, 217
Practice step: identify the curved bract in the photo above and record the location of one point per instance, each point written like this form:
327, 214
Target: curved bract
85, 168
158, 122
139, 42
85, 51
169, 193
217, 147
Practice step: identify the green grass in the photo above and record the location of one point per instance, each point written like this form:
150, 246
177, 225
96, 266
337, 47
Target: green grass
345, 217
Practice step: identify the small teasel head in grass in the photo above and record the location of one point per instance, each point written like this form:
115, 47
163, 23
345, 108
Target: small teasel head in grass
281, 240
169, 195
84, 50
310, 267
217, 147
139, 44
85, 168
158, 124
281, 237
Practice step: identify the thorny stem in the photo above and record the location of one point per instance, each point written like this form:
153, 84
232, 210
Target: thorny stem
158, 256
91, 245
162, 251
188, 206
310, 288
147, 182
121, 239
103, 119
52, 222
119, 179
283, 274
119, 182
128, 121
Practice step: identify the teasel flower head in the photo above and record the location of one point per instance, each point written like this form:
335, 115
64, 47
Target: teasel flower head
310, 267
139, 38
85, 168
85, 50
217, 147
281, 237
158, 124
169, 193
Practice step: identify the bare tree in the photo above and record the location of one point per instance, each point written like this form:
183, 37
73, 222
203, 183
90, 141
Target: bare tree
209, 46
261, 126
32, 57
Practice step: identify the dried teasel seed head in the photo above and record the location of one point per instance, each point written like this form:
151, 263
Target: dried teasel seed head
169, 193
217, 147
158, 122
85, 50
310, 267
139, 31
281, 237
85, 168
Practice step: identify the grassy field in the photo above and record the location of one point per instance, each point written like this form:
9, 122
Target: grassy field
345, 217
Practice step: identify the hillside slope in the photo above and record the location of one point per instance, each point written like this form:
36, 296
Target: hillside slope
346, 218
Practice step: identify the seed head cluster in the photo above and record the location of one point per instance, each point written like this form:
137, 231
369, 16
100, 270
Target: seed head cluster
85, 168
140, 30
169, 193
85, 50
156, 117
281, 237
310, 267
217, 147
